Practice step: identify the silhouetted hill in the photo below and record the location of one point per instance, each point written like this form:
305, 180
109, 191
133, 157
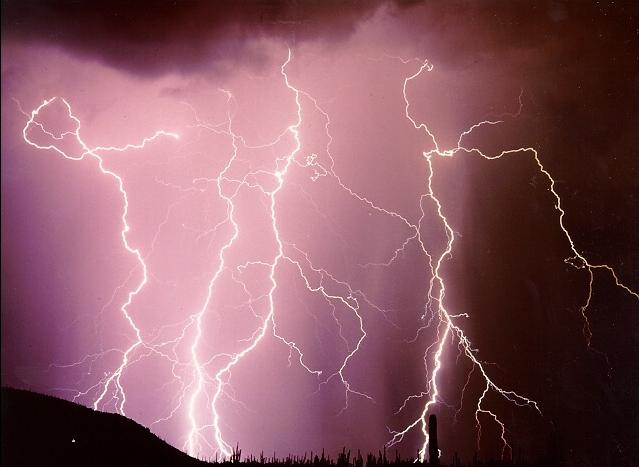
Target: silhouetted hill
39, 430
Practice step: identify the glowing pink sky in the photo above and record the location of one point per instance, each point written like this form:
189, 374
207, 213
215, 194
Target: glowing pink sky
66, 272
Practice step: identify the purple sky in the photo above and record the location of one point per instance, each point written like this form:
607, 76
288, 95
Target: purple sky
248, 182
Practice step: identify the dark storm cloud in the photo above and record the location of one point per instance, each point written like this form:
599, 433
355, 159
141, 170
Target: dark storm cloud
150, 38
464, 30
153, 37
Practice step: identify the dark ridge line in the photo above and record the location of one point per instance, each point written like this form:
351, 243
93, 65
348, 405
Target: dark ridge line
42, 430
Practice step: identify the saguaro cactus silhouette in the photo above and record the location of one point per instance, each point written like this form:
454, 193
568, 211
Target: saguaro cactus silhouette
433, 447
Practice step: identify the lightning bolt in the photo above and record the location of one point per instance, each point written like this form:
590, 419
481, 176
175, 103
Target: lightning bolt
350, 300
196, 381
445, 318
114, 380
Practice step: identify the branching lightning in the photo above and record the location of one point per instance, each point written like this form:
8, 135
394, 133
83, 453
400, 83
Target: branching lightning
196, 381
577, 260
282, 166
114, 380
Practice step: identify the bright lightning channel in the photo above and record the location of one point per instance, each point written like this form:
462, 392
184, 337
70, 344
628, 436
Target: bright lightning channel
280, 172
115, 378
577, 260
110, 387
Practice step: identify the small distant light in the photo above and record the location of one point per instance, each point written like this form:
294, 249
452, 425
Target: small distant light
73, 440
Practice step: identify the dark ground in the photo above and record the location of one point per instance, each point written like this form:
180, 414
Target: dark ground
40, 430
